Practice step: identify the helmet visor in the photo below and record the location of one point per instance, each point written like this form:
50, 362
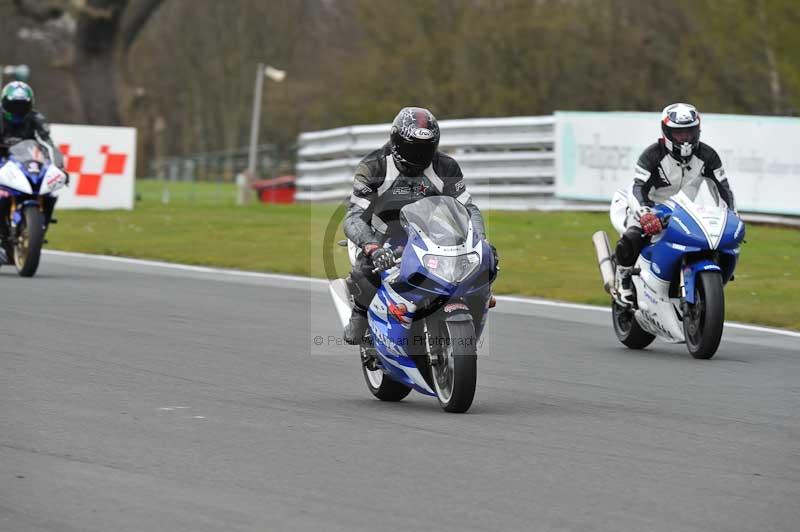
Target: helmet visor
417, 154
17, 107
685, 135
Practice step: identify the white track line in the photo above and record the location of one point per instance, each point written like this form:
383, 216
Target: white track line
188, 267
312, 280
550, 303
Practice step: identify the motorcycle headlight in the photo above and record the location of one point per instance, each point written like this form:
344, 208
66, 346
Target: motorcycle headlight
452, 269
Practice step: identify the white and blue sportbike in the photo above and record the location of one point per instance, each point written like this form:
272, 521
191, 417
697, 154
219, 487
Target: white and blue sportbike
27, 181
430, 310
679, 277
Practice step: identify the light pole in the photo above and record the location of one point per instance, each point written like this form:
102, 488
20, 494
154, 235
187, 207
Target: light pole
277, 76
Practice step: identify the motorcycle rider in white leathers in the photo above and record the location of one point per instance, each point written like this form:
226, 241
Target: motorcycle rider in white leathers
677, 161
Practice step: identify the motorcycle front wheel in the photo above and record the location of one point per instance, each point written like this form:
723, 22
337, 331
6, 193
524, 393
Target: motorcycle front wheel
703, 321
28, 241
455, 373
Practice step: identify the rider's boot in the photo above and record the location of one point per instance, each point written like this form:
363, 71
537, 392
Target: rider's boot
623, 286
355, 329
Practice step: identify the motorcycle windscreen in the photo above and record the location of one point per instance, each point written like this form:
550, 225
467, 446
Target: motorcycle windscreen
31, 154
442, 219
704, 193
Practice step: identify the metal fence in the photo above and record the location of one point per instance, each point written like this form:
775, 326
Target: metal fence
220, 166
508, 162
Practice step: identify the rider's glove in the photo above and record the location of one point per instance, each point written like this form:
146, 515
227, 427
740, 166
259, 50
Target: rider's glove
651, 224
382, 258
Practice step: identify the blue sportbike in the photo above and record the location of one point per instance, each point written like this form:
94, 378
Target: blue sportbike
430, 309
679, 277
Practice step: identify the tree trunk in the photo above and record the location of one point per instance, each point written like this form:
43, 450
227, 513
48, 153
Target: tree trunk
102, 39
95, 75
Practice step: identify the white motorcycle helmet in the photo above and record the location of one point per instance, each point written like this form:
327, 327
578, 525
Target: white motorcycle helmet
680, 124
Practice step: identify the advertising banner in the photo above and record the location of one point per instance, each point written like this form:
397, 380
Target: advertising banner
596, 154
101, 164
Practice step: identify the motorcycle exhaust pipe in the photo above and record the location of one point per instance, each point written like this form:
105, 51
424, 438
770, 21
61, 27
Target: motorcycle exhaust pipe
603, 250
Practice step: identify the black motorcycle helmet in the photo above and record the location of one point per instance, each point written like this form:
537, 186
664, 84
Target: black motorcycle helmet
414, 139
17, 101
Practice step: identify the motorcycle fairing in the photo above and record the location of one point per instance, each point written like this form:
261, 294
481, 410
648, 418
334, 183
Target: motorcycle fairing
13, 178
690, 272
414, 273
27, 171
657, 313
392, 340
691, 229
52, 179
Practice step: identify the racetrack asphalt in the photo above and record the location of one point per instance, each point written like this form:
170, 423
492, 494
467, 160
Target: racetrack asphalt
140, 397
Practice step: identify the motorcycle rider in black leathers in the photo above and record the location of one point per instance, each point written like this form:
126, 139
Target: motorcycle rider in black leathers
678, 161
405, 169
20, 121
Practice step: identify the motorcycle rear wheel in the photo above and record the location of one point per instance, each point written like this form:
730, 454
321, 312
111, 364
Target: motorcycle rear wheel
628, 330
378, 383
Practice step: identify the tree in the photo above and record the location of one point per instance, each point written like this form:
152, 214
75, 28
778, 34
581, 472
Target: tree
103, 32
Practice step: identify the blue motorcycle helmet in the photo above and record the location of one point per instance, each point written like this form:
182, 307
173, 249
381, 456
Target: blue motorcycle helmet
17, 101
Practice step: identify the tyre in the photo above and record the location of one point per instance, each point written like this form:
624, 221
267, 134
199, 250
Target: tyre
6, 241
378, 383
456, 372
703, 321
628, 330
28, 241
8, 249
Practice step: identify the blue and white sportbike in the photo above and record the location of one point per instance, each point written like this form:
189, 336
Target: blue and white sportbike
430, 310
27, 182
679, 277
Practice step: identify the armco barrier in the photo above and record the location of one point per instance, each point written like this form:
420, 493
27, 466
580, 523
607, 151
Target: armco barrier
569, 160
509, 160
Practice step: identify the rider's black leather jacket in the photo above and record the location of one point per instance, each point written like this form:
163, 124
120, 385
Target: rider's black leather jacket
659, 175
33, 127
380, 190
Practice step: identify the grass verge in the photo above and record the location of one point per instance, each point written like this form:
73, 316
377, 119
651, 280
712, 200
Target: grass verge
542, 254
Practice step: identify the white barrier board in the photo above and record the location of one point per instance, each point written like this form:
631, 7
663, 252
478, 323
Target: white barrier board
596, 154
101, 162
